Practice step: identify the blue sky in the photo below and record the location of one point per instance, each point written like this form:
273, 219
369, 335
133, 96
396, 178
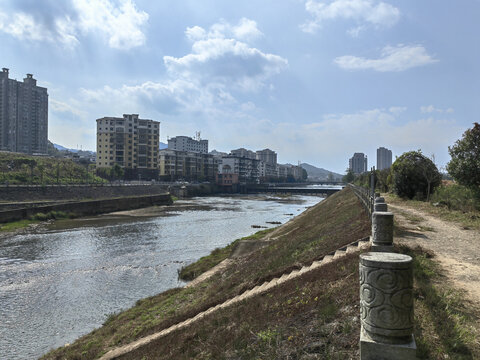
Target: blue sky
313, 80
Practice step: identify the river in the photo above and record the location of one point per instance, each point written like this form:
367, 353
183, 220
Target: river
61, 281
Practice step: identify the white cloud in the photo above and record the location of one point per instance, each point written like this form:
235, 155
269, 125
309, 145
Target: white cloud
398, 58
245, 30
63, 107
122, 24
118, 21
361, 131
432, 109
397, 110
23, 26
222, 56
371, 12
205, 81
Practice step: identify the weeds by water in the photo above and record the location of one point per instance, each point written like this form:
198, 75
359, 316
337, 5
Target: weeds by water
205, 263
16, 225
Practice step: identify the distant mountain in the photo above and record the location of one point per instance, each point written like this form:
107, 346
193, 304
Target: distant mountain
162, 146
59, 147
63, 148
319, 173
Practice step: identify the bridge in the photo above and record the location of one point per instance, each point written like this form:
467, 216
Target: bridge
291, 190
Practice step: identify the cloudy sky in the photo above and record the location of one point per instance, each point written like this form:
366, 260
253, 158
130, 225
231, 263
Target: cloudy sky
313, 80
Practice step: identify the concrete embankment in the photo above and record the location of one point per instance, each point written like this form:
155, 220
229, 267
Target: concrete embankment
76, 192
89, 207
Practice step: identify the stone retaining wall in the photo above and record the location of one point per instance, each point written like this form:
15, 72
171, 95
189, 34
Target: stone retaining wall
89, 207
76, 192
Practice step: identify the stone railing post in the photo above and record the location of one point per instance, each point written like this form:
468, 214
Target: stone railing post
380, 204
382, 231
386, 307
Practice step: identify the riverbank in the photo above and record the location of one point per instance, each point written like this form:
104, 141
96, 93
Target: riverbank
333, 223
60, 280
316, 316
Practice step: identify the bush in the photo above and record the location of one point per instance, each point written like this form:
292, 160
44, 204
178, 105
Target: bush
456, 197
465, 164
414, 175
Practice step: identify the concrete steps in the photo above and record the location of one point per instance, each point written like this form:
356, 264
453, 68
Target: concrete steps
258, 289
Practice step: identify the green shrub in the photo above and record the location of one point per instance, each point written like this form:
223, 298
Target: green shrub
456, 197
40, 216
415, 176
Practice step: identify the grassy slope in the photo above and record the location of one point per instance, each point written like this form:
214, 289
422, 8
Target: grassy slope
336, 221
25, 169
205, 263
315, 316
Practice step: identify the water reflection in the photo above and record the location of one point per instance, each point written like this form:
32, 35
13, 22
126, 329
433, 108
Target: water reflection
62, 282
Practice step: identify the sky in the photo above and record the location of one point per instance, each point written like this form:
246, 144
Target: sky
313, 80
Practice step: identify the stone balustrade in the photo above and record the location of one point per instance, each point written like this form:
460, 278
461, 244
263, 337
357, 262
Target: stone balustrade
382, 231
386, 307
380, 205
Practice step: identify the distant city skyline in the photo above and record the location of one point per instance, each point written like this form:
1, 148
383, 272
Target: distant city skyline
314, 80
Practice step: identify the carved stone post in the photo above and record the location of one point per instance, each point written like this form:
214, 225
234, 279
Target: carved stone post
380, 205
382, 231
386, 307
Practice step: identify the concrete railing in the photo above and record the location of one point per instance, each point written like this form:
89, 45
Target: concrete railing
386, 291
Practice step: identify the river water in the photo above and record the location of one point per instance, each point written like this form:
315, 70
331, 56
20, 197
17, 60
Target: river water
61, 281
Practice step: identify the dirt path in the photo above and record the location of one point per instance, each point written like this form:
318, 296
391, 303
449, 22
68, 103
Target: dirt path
456, 249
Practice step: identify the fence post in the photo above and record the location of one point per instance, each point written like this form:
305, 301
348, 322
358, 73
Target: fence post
386, 307
382, 231
380, 204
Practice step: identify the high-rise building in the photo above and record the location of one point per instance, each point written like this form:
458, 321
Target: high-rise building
358, 164
23, 115
130, 142
242, 152
268, 156
185, 143
384, 158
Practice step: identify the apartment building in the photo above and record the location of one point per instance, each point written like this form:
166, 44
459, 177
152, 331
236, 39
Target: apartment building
358, 164
242, 152
23, 115
247, 169
185, 143
268, 156
384, 158
189, 166
130, 142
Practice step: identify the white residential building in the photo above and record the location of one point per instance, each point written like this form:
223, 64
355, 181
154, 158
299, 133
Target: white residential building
185, 143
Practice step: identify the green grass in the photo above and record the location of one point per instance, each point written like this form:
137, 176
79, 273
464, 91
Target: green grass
25, 169
205, 263
466, 219
444, 325
52, 215
16, 225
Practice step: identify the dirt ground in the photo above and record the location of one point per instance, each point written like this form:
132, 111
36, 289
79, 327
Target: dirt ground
456, 249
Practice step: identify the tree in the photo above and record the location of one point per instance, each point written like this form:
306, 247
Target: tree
348, 177
415, 175
304, 174
383, 179
117, 172
464, 166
